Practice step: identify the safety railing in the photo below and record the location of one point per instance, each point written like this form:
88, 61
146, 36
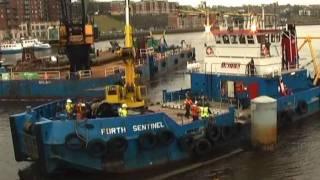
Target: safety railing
113, 70
241, 69
291, 101
42, 75
85, 74
148, 51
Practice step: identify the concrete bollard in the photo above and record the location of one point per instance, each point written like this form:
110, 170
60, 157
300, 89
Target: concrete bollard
264, 123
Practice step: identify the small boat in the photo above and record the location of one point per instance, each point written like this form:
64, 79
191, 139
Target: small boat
10, 47
35, 43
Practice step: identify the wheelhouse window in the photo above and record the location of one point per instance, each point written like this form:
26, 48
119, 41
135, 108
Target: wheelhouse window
226, 39
218, 39
250, 39
277, 37
234, 39
242, 39
273, 38
260, 39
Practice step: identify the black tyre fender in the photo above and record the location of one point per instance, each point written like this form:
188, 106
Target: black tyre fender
213, 133
74, 142
147, 140
182, 55
227, 132
117, 145
302, 107
202, 146
286, 116
186, 142
166, 137
96, 148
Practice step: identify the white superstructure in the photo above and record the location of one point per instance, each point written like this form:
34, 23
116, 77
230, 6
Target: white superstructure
242, 42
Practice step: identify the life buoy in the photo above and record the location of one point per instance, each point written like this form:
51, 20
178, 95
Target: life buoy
213, 133
96, 148
186, 142
209, 51
29, 127
202, 146
166, 137
302, 107
117, 145
226, 132
74, 142
147, 140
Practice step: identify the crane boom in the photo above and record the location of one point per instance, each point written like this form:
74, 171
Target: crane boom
131, 94
314, 59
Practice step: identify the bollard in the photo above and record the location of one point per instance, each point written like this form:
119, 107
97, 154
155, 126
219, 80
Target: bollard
264, 123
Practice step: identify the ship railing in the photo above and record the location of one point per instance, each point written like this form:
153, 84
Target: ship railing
147, 51
42, 75
85, 74
113, 70
239, 69
140, 61
290, 102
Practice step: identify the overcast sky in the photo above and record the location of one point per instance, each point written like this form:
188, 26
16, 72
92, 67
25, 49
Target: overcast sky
241, 2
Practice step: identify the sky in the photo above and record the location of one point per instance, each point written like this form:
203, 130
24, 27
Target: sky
241, 2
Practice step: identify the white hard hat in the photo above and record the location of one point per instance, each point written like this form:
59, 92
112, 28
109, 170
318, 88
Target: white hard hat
69, 100
124, 106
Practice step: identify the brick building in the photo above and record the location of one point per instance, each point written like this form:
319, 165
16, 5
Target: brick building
23, 18
145, 7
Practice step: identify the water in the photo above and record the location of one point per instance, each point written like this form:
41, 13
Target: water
297, 156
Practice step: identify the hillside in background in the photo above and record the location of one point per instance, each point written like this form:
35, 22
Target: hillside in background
108, 23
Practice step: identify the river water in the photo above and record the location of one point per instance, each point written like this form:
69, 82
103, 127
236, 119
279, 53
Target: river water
297, 156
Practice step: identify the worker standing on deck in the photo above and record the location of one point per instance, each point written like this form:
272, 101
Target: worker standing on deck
251, 68
81, 110
69, 108
205, 111
187, 103
195, 111
123, 112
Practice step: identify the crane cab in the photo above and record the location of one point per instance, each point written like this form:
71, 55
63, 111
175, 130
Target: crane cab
134, 96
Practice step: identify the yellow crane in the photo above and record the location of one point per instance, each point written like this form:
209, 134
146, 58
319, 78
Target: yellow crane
314, 59
130, 93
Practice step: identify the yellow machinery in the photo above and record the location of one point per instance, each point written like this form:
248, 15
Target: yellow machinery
314, 59
131, 93
76, 35
72, 32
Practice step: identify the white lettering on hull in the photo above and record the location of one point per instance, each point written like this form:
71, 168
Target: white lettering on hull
135, 128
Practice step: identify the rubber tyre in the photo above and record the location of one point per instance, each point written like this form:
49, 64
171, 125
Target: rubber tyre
302, 107
186, 143
166, 137
97, 148
117, 145
227, 132
202, 147
213, 133
74, 142
147, 141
